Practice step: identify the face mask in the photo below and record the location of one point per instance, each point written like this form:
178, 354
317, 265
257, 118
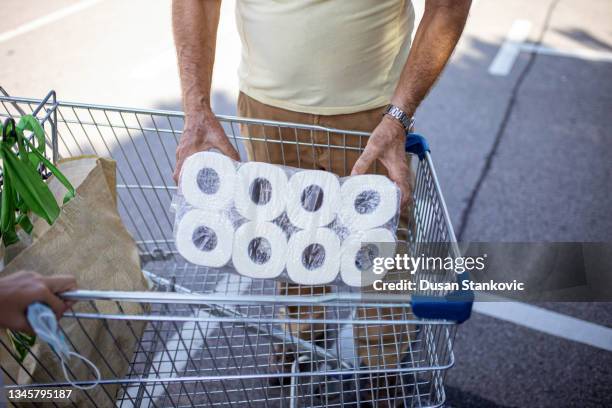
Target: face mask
43, 322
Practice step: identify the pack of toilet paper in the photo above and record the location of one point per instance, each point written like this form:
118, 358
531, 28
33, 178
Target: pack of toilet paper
276, 222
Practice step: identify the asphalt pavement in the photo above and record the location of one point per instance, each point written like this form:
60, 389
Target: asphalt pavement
522, 157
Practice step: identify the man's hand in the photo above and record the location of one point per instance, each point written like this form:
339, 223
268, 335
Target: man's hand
21, 289
202, 132
386, 144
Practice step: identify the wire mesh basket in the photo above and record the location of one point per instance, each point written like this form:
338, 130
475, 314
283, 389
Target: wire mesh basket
213, 338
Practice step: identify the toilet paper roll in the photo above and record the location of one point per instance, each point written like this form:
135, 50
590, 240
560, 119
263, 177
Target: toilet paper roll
368, 201
261, 191
204, 239
313, 199
313, 257
260, 250
358, 253
208, 180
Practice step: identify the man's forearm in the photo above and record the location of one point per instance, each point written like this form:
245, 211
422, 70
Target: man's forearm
194, 23
434, 42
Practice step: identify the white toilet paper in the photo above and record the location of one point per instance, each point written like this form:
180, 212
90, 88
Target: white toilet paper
314, 198
260, 250
261, 191
204, 239
358, 253
208, 180
368, 201
313, 257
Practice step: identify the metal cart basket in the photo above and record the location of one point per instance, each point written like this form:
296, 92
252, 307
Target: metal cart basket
213, 338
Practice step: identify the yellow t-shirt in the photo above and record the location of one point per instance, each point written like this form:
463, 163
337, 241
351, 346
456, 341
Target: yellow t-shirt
323, 57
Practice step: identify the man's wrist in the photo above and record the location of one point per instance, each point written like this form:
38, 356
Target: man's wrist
201, 112
196, 124
197, 103
405, 104
400, 116
397, 128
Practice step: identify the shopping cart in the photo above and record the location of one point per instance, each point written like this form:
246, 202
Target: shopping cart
211, 337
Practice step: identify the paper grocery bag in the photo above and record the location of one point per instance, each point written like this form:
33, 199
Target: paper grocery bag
89, 241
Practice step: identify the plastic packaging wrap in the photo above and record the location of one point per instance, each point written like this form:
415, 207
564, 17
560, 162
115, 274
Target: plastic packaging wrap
276, 222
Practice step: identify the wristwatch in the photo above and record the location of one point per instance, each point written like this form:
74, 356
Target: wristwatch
399, 115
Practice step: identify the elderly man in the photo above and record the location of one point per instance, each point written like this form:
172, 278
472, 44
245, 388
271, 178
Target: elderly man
339, 64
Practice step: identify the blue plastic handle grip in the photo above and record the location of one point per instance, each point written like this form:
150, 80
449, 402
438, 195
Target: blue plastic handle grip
416, 144
455, 306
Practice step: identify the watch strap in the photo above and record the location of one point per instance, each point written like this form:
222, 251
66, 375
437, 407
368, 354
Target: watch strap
399, 115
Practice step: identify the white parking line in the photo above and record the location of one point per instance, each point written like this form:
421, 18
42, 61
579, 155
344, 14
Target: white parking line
515, 43
44, 20
548, 322
511, 48
583, 54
